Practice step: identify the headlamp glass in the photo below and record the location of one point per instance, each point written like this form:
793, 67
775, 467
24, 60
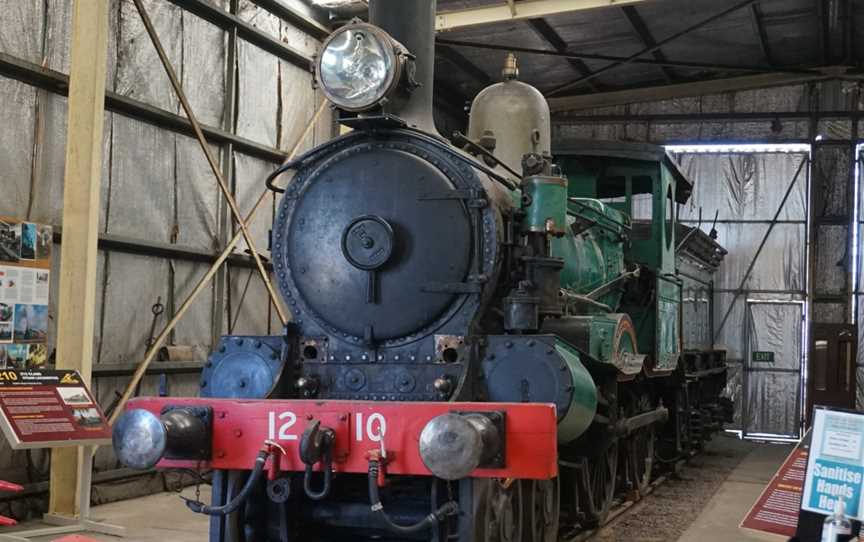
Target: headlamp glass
357, 67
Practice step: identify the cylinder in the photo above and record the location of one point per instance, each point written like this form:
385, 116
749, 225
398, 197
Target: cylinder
545, 204
412, 23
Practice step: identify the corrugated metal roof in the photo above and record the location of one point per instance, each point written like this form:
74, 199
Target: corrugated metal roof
792, 28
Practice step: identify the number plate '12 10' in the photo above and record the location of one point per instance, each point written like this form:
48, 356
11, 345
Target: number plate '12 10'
283, 426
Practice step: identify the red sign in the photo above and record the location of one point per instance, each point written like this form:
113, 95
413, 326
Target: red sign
778, 507
42, 409
240, 428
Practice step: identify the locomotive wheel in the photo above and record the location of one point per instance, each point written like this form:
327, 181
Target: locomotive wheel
498, 506
542, 510
640, 451
640, 459
597, 487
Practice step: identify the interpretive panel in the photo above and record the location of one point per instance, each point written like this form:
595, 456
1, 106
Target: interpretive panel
43, 409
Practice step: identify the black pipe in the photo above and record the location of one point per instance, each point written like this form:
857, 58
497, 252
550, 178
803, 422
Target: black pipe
429, 522
241, 497
412, 23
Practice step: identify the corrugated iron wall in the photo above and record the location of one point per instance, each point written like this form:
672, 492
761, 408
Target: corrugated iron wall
156, 185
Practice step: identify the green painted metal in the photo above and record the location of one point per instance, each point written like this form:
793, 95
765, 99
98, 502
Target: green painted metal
594, 255
545, 203
624, 183
584, 404
668, 330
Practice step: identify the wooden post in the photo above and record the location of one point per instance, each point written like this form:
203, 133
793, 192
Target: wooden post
77, 299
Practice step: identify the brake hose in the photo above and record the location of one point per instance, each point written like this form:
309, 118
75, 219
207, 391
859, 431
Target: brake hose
232, 505
426, 523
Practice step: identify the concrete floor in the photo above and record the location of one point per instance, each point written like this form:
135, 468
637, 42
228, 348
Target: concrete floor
720, 518
164, 518
156, 518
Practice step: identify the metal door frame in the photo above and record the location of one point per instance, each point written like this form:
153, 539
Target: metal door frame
747, 369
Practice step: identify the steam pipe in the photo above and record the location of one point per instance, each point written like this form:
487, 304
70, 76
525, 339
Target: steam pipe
412, 23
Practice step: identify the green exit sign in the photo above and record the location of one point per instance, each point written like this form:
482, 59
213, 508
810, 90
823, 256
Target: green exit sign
763, 357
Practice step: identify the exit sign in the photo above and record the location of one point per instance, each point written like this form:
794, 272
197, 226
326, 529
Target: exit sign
763, 357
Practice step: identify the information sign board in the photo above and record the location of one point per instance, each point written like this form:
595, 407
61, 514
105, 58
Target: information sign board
25, 276
776, 510
43, 409
835, 467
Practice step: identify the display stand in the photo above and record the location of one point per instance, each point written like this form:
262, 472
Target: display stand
60, 412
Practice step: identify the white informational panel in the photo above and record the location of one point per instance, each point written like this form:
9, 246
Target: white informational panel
835, 468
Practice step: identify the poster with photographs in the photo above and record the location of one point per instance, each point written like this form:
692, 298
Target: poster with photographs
25, 278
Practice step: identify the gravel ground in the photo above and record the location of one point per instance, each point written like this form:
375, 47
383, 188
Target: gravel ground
667, 512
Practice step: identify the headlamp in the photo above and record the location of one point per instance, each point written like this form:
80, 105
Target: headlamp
360, 65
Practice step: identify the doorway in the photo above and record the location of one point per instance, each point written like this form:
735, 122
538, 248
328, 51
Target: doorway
831, 379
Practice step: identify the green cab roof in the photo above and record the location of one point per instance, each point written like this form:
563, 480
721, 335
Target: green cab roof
627, 150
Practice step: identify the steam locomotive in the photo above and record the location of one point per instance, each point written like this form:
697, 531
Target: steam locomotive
483, 347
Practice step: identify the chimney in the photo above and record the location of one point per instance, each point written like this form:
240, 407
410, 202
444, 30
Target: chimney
412, 23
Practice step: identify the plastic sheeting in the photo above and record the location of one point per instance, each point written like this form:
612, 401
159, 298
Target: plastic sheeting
745, 187
16, 146
156, 186
772, 390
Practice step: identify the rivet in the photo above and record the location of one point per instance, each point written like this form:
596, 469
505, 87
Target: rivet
308, 416
508, 344
531, 342
238, 433
364, 357
220, 453
380, 357
347, 358
396, 357
222, 415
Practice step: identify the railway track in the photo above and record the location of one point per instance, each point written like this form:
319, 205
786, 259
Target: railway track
620, 510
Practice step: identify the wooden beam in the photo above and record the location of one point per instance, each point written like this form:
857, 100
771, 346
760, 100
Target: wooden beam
81, 189
527, 9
